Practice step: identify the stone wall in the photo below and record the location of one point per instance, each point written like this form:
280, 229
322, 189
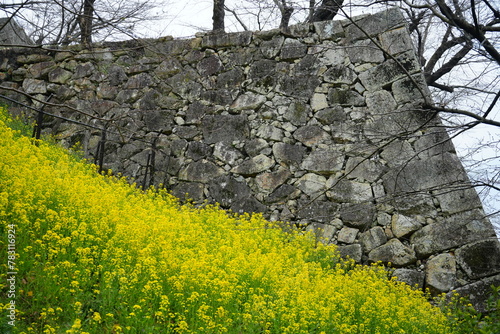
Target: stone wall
12, 34
322, 127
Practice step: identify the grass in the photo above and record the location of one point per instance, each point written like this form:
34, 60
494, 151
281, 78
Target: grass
92, 254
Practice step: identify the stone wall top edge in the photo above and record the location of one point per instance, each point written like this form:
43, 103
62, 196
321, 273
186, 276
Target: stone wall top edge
393, 18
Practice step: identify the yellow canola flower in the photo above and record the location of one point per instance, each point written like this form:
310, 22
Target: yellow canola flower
95, 245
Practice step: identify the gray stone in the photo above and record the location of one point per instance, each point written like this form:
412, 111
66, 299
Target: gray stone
346, 191
364, 169
293, 49
186, 132
397, 153
59, 75
227, 153
248, 101
381, 102
33, 58
178, 147
41, 70
403, 225
323, 232
248, 205
189, 191
209, 65
456, 230
270, 132
299, 30
353, 252
311, 184
347, 235
435, 141
254, 166
331, 115
227, 39
480, 259
226, 190
365, 51
443, 173
224, 128
345, 97
340, 74
440, 273
195, 113
375, 24
281, 194
231, 79
411, 277
185, 84
323, 161
139, 81
310, 135
287, 154
478, 292
255, 146
359, 216
34, 86
168, 67
116, 75
200, 171
331, 55
271, 48
372, 238
414, 204
318, 102
393, 252
198, 150
411, 90
299, 86
271, 180
388, 72
396, 41
297, 113
317, 210
328, 29
458, 199
262, 68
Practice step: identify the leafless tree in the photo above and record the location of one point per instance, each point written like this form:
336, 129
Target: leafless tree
326, 10
62, 22
218, 15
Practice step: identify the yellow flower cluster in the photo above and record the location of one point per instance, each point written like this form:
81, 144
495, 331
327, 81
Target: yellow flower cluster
96, 255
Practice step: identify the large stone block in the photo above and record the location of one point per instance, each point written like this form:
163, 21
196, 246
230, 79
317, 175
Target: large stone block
360, 216
453, 232
224, 128
373, 238
441, 272
478, 292
323, 161
254, 166
411, 277
393, 252
200, 171
480, 259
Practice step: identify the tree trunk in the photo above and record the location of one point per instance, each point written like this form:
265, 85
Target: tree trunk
218, 16
327, 10
86, 22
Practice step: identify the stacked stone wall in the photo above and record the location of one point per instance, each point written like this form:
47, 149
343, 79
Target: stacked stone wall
323, 127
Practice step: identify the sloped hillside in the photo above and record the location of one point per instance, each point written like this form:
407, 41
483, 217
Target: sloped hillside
92, 254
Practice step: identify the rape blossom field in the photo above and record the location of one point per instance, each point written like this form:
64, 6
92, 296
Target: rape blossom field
94, 254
